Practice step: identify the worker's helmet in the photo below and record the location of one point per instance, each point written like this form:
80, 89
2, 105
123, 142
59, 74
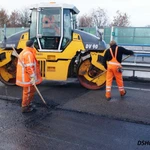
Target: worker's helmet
112, 43
29, 43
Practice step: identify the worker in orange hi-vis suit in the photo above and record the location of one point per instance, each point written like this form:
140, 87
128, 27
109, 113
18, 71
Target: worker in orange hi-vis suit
28, 74
46, 22
112, 62
49, 23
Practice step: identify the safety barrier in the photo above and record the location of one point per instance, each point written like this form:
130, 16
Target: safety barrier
138, 65
128, 35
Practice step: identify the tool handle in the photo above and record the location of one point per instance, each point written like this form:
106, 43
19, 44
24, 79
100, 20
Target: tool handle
33, 84
106, 70
18, 57
40, 94
126, 57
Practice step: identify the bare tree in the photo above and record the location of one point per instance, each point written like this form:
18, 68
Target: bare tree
25, 17
121, 19
85, 21
99, 17
19, 18
4, 17
14, 20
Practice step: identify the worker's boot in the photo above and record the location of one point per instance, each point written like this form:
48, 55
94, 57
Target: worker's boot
32, 105
27, 109
108, 96
123, 93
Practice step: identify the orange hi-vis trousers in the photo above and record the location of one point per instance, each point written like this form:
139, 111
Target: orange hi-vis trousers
112, 71
27, 96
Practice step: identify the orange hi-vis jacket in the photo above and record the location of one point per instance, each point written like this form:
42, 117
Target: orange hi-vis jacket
30, 68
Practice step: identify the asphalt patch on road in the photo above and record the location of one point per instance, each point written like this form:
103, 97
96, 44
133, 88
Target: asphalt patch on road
131, 108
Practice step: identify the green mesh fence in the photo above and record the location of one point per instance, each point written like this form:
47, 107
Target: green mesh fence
107, 35
138, 36
9, 32
91, 30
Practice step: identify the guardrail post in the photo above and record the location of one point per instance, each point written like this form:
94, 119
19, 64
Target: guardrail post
112, 33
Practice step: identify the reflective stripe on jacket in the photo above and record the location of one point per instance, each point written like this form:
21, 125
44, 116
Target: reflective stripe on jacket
114, 61
29, 69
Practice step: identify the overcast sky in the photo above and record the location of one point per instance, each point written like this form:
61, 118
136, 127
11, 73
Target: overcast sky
137, 10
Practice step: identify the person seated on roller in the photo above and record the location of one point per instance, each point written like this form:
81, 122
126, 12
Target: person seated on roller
50, 26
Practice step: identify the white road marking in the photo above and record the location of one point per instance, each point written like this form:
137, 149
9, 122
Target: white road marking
133, 88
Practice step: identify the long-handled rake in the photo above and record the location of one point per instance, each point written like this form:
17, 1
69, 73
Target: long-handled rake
33, 84
106, 70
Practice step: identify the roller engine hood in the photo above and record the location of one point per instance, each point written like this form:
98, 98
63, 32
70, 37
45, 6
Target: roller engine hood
90, 41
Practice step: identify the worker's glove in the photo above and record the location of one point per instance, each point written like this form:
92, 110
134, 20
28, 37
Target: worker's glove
32, 80
119, 69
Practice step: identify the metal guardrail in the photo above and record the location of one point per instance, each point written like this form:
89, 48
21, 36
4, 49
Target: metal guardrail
139, 63
136, 67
